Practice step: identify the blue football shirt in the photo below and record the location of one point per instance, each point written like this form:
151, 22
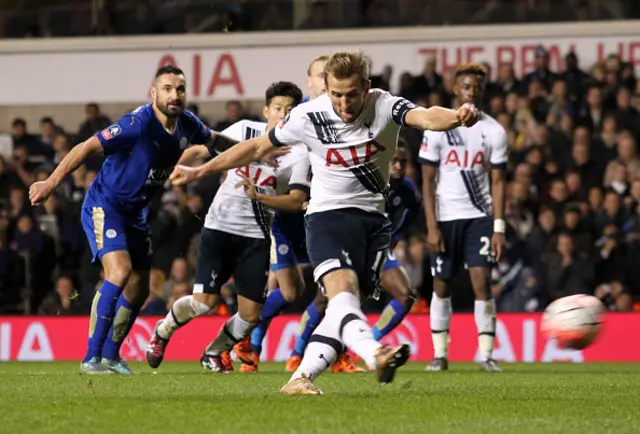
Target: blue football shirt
141, 155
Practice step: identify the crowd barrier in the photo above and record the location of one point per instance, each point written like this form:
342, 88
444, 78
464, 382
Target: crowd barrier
518, 339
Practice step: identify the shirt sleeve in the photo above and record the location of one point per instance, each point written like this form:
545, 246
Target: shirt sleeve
430, 149
396, 107
202, 133
300, 177
499, 155
121, 136
290, 130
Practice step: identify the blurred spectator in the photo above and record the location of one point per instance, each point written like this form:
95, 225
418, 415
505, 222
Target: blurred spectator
64, 301
235, 112
94, 122
568, 270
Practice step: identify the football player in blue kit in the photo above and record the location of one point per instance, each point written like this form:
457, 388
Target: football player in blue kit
141, 150
404, 206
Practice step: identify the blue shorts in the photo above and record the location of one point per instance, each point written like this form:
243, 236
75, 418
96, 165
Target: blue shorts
467, 243
109, 231
288, 241
391, 262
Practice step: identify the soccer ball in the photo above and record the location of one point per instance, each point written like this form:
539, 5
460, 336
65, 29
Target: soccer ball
574, 321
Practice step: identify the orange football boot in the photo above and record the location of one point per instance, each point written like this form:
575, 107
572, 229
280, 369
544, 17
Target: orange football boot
227, 361
293, 363
346, 364
248, 358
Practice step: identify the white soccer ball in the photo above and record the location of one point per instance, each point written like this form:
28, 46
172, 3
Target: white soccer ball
573, 321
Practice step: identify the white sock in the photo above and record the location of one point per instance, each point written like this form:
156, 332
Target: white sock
343, 322
484, 313
183, 310
322, 350
232, 332
356, 333
440, 318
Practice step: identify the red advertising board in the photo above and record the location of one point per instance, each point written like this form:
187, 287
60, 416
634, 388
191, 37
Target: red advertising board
518, 339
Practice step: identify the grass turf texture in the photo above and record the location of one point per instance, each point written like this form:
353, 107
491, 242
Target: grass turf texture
540, 398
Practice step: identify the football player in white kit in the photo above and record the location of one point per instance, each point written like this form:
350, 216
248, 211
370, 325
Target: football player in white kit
235, 241
352, 133
465, 215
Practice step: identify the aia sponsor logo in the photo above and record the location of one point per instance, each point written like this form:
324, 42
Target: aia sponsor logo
134, 346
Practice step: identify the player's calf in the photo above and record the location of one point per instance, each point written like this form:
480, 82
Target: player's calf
484, 312
396, 282
183, 310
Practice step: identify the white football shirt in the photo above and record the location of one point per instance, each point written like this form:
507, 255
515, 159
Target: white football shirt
350, 161
231, 210
464, 157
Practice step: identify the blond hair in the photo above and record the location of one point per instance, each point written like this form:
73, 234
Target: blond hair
345, 64
471, 69
321, 58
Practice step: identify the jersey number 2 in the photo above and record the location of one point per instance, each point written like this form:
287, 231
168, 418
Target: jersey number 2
486, 245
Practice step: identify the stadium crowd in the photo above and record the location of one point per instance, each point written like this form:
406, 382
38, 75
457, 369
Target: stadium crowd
573, 204
38, 18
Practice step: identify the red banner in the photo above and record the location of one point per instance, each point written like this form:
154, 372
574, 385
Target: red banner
518, 339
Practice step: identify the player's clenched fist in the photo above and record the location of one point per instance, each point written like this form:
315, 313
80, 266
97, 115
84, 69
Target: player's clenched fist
182, 175
468, 114
40, 191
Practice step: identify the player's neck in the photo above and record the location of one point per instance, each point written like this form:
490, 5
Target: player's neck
168, 123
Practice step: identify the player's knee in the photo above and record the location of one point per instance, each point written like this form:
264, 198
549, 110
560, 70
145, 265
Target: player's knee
249, 310
441, 288
210, 300
480, 283
117, 268
339, 281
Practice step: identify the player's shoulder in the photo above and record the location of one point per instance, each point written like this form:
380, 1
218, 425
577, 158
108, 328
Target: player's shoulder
408, 184
489, 121
142, 114
245, 129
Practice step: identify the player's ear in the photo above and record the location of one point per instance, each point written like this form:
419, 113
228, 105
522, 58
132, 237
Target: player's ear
265, 112
153, 93
367, 86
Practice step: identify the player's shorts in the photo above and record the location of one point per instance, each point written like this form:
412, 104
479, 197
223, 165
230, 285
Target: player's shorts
349, 238
391, 262
222, 255
288, 241
109, 231
467, 243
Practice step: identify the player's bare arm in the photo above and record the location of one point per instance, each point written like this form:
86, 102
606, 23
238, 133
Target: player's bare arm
440, 118
291, 202
498, 194
237, 156
435, 242
40, 191
194, 154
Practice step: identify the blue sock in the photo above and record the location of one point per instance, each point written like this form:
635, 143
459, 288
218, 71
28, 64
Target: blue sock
102, 311
125, 316
310, 320
391, 317
273, 305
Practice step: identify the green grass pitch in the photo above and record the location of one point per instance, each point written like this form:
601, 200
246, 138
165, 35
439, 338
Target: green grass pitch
181, 398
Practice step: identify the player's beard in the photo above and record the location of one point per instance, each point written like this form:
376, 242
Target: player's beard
176, 110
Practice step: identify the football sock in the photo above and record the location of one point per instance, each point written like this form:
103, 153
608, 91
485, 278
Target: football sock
344, 323
183, 310
125, 317
310, 320
233, 331
354, 329
484, 313
391, 317
102, 312
273, 305
440, 318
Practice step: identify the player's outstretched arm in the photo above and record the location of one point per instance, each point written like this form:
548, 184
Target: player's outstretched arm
40, 191
440, 118
237, 156
193, 154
